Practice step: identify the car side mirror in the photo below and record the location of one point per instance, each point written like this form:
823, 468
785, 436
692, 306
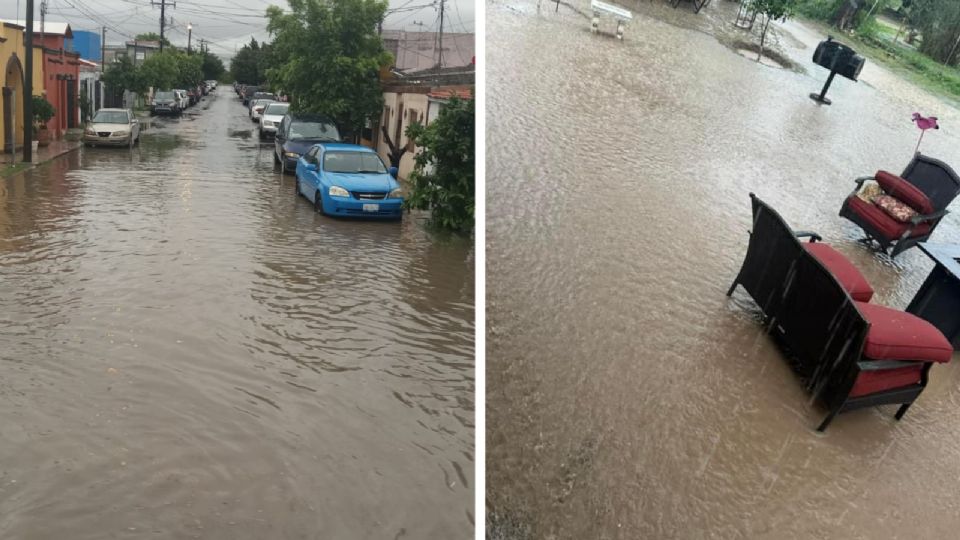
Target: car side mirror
393, 171
310, 167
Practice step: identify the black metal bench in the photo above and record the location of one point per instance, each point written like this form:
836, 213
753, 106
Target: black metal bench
697, 4
823, 330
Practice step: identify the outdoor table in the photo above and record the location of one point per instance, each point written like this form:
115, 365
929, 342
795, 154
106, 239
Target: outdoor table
938, 300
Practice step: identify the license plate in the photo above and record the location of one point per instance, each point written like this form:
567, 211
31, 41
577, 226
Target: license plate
371, 208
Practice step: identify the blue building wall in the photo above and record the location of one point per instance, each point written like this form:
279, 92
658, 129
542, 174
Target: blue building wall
86, 43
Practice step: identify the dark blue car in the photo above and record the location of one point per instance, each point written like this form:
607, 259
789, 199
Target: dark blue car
297, 134
349, 180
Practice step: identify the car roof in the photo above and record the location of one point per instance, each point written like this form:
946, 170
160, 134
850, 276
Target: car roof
309, 117
345, 147
112, 110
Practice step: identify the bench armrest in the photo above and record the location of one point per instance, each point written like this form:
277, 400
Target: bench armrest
882, 365
814, 237
916, 220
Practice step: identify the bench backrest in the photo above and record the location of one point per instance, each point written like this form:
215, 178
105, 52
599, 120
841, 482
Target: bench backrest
811, 313
771, 254
934, 178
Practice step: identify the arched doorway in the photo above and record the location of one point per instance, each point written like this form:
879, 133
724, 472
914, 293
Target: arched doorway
12, 113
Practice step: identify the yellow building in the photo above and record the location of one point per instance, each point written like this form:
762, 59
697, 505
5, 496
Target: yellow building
12, 57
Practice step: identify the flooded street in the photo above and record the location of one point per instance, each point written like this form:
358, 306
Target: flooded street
628, 397
188, 350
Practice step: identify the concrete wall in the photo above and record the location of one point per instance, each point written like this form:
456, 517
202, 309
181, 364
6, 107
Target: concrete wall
12, 62
400, 109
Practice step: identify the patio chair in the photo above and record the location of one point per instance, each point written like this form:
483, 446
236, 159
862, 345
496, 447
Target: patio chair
850, 354
927, 186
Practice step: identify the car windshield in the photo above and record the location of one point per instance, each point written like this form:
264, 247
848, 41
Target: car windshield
110, 117
300, 129
353, 162
164, 95
277, 109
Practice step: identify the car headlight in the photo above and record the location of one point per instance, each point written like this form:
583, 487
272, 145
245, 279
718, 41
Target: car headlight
395, 194
337, 191
291, 154
90, 131
120, 133
267, 123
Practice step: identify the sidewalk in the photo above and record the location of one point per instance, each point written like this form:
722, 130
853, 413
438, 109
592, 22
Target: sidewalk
54, 150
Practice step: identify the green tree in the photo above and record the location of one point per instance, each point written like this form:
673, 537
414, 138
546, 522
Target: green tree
189, 69
443, 177
152, 36
212, 66
123, 75
771, 10
327, 55
160, 71
939, 24
245, 64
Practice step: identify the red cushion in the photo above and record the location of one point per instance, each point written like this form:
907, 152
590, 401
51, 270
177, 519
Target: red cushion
905, 191
898, 335
890, 228
871, 382
846, 273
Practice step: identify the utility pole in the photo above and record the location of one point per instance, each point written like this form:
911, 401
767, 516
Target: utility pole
163, 17
43, 35
440, 62
189, 35
28, 88
103, 48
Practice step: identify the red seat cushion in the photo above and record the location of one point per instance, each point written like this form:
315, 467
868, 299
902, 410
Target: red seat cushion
899, 188
846, 273
890, 228
898, 335
871, 382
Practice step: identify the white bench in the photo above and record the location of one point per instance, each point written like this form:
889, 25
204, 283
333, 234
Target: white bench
602, 8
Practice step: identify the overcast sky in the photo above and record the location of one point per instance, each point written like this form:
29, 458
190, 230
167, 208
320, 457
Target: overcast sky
225, 24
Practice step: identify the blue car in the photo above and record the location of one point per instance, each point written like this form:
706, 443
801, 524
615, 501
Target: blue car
348, 180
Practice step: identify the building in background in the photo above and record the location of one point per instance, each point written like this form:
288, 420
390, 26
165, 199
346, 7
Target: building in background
86, 44
417, 51
414, 97
91, 90
12, 59
138, 51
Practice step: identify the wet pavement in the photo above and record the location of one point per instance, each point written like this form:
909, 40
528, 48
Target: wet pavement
187, 350
628, 397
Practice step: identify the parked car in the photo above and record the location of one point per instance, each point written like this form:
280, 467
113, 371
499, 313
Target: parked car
182, 98
193, 96
211, 84
248, 92
165, 102
112, 127
349, 180
264, 95
256, 108
271, 117
297, 133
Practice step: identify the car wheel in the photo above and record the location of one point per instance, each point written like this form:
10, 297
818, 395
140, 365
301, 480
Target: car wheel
296, 186
261, 134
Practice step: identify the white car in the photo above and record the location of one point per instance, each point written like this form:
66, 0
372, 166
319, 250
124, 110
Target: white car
256, 108
272, 116
112, 127
182, 98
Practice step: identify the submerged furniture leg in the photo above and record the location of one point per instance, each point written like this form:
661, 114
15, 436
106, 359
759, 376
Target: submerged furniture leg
902, 410
620, 30
594, 23
826, 421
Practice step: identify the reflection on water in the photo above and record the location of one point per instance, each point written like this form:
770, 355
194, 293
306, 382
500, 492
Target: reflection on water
187, 350
627, 396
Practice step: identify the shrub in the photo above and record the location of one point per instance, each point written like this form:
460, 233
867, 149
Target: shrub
443, 177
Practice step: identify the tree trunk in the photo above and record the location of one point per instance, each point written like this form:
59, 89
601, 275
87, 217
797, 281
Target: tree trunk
395, 154
763, 36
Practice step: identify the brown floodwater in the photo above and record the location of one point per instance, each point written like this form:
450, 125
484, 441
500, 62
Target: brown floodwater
627, 396
187, 350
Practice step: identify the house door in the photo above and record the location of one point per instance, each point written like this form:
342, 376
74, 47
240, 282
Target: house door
9, 98
71, 103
